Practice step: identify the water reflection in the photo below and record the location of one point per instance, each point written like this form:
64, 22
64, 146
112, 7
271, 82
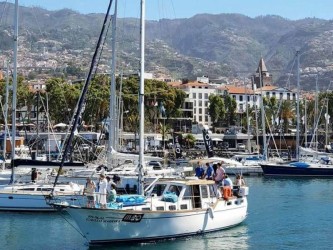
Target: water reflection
233, 238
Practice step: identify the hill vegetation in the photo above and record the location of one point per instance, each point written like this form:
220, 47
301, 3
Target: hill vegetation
224, 45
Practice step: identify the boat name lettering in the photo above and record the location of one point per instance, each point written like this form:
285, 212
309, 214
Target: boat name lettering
100, 219
133, 217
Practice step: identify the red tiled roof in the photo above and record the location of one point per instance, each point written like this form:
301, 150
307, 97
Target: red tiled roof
237, 90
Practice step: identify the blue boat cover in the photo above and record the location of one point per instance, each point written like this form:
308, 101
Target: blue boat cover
300, 164
170, 197
131, 200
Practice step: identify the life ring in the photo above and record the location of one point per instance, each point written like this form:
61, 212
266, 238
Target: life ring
227, 192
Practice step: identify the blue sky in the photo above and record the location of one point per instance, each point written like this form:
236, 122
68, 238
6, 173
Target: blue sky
157, 9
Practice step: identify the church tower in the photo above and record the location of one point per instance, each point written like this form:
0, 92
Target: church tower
265, 79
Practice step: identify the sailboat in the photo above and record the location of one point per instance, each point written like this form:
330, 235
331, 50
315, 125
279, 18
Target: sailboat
298, 167
32, 196
182, 207
239, 164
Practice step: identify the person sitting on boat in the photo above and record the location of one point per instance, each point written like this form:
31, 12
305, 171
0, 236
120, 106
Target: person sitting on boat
34, 175
102, 191
89, 192
239, 182
111, 190
209, 172
227, 181
199, 171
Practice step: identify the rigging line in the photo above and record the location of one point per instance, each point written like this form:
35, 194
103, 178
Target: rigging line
72, 225
103, 45
82, 99
3, 11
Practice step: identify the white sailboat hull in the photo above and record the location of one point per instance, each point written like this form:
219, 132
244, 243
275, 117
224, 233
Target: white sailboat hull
33, 202
36, 197
105, 226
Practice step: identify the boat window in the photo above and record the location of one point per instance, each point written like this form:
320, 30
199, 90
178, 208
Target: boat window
44, 189
183, 206
172, 207
175, 189
204, 191
160, 208
146, 208
158, 189
229, 203
188, 193
27, 189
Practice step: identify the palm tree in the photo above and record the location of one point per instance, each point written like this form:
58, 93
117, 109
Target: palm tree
287, 112
190, 140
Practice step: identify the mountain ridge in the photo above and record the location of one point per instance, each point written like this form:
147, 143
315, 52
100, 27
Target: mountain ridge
217, 45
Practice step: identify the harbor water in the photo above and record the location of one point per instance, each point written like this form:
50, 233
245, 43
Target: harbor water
283, 213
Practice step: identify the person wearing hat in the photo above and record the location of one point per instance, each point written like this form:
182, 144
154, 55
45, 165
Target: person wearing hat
89, 191
103, 184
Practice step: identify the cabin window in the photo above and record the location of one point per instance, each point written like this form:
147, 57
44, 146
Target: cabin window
204, 191
160, 208
172, 207
146, 208
175, 189
229, 203
183, 206
158, 189
27, 189
44, 189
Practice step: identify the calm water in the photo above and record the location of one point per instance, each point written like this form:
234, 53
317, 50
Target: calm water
283, 214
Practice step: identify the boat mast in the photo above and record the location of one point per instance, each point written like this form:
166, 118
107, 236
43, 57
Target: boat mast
141, 97
112, 108
297, 108
6, 116
12, 178
263, 121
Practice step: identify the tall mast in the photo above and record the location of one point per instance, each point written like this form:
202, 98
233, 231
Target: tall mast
112, 108
14, 90
263, 121
141, 96
6, 116
297, 108
113, 82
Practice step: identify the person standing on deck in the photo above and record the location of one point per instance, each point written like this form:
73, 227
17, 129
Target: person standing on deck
89, 191
102, 191
209, 172
199, 171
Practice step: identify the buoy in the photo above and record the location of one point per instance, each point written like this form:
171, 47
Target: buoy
227, 192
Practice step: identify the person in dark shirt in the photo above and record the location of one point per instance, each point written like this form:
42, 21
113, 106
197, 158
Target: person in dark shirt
199, 171
209, 172
34, 175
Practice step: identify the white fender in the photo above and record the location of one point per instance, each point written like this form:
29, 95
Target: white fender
211, 212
